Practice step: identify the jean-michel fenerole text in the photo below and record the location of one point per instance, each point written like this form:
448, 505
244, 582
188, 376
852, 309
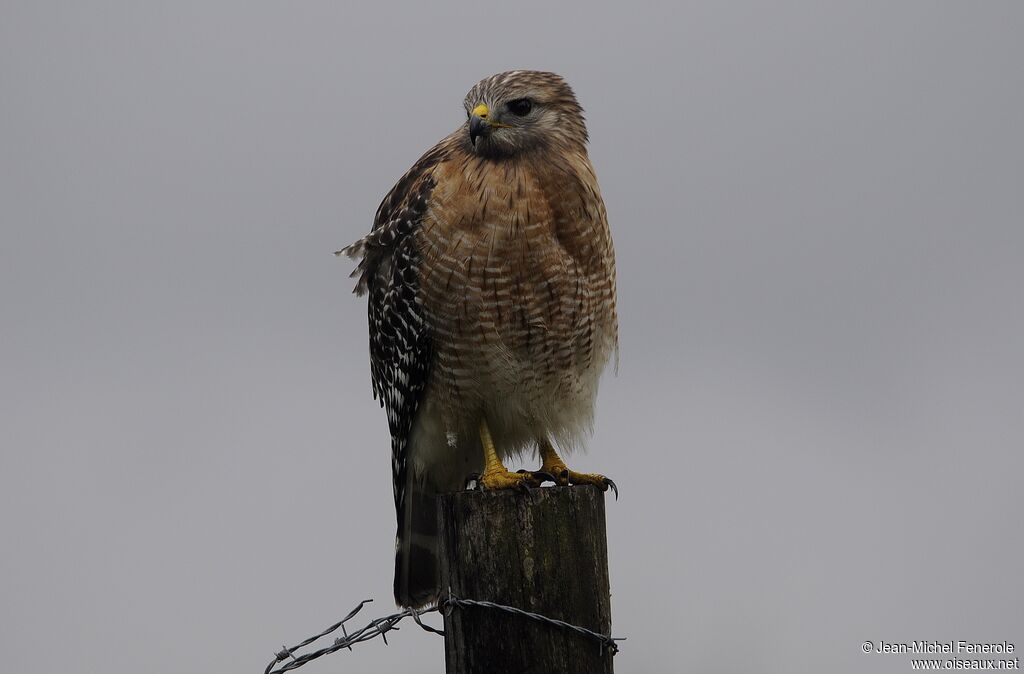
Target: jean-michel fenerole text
943, 647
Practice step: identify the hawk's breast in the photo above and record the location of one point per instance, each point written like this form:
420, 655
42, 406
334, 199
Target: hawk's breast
517, 283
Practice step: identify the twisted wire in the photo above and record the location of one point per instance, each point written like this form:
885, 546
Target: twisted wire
379, 627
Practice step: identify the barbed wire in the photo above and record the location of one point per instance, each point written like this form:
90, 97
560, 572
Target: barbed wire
606, 641
379, 627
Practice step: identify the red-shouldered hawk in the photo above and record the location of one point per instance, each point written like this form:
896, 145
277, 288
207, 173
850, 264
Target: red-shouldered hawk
491, 281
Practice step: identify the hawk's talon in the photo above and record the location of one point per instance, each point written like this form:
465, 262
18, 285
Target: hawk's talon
568, 477
494, 480
540, 476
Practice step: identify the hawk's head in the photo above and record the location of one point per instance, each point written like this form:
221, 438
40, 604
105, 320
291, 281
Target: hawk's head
521, 110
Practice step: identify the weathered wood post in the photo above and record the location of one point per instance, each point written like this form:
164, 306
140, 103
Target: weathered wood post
544, 552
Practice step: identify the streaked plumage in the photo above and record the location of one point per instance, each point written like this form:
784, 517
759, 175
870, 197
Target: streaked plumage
491, 281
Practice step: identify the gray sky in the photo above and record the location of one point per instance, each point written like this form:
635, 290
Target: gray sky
817, 422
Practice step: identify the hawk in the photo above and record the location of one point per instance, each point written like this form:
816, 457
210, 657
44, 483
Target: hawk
490, 277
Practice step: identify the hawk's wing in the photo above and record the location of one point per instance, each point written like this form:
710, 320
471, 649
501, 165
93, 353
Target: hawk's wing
400, 341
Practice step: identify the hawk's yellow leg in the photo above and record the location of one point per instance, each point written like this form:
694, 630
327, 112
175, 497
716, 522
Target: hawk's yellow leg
554, 465
496, 475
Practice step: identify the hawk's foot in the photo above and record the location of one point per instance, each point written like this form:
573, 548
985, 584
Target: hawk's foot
501, 478
552, 464
496, 475
565, 477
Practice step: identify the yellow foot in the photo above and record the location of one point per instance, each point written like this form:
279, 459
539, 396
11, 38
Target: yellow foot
496, 475
492, 480
552, 465
564, 477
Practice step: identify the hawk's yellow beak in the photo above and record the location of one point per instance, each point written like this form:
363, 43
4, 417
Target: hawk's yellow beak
478, 122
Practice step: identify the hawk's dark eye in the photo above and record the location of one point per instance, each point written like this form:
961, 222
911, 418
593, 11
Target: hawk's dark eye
520, 107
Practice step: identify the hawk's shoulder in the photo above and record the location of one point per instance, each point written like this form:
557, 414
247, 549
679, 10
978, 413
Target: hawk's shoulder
398, 215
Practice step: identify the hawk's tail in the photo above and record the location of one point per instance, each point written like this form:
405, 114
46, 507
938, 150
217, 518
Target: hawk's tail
416, 546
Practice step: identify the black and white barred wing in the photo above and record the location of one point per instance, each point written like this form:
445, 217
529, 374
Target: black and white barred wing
400, 341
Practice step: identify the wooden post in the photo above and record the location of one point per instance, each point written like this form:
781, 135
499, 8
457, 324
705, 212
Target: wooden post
544, 552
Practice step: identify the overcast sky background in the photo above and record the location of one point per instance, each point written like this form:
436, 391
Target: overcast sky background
817, 422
